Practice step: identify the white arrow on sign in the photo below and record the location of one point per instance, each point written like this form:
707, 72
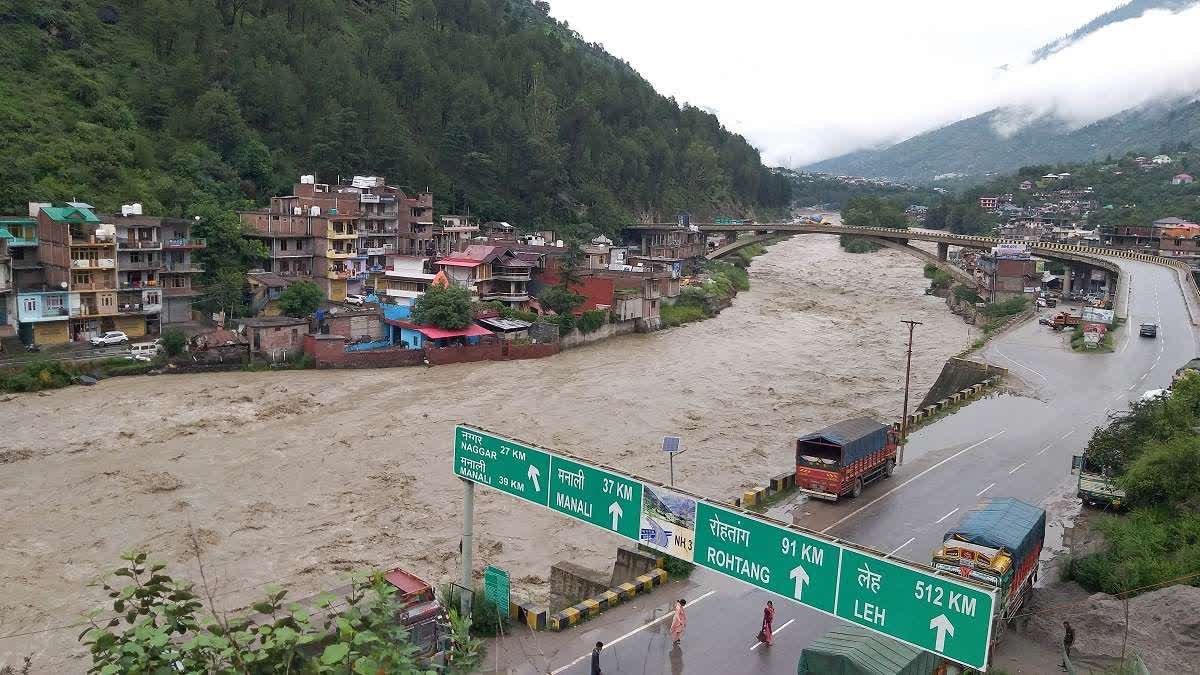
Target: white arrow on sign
801, 578
615, 512
533, 476
943, 627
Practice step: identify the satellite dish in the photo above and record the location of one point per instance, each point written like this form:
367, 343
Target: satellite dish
63, 284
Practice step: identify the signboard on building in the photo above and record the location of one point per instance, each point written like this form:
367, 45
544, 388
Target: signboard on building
1096, 315
1017, 251
926, 609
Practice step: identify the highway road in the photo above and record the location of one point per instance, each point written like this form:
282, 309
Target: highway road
1005, 445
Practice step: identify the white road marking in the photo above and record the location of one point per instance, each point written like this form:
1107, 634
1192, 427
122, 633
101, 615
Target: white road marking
1132, 386
900, 486
1045, 448
1118, 395
946, 516
1144, 377
631, 633
983, 490
910, 540
1016, 468
1067, 434
775, 632
1022, 365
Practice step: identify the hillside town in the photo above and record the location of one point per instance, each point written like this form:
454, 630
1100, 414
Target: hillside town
70, 275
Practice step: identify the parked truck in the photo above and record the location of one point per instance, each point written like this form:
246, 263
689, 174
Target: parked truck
851, 650
998, 542
841, 459
1095, 486
1065, 320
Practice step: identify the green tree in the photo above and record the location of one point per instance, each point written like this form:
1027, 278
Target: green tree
226, 293
560, 300
173, 341
300, 299
466, 654
446, 307
159, 625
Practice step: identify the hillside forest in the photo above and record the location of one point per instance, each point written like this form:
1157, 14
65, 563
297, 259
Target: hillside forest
203, 105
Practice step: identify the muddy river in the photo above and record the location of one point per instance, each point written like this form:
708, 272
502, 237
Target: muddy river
300, 477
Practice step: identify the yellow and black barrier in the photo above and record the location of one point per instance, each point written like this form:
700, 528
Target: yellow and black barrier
608, 599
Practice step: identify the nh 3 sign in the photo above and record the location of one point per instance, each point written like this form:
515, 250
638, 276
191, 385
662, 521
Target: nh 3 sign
926, 610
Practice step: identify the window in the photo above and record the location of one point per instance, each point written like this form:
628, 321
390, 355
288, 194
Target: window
30, 304
283, 244
54, 302
82, 278
152, 298
106, 300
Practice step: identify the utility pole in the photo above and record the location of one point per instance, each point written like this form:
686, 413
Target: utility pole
907, 373
468, 584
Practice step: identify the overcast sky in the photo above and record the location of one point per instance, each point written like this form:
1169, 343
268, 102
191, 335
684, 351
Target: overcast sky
805, 80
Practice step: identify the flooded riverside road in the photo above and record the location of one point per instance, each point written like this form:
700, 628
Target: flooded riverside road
299, 477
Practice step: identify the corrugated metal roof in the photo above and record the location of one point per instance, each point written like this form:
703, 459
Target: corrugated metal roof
870, 653
70, 213
846, 431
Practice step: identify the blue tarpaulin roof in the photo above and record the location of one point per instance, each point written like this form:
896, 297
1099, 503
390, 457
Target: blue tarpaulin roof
857, 437
1002, 522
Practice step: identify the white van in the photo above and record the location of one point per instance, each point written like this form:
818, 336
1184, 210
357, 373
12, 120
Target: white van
145, 351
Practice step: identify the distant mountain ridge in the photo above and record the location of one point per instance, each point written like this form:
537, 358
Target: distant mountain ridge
956, 150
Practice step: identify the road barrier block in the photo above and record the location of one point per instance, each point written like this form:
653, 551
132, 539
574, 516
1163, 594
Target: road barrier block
609, 598
566, 618
589, 607
658, 576
749, 498
528, 614
627, 590
783, 482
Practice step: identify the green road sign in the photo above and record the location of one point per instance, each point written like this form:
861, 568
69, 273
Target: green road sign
771, 557
503, 464
902, 601
931, 612
496, 588
605, 499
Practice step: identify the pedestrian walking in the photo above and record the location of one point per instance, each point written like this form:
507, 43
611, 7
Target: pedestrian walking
1068, 640
596, 658
679, 622
765, 635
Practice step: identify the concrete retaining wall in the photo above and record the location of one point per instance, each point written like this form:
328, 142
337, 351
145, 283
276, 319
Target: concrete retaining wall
571, 583
632, 563
606, 599
611, 329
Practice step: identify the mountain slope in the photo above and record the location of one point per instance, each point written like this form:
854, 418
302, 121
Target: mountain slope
491, 103
973, 148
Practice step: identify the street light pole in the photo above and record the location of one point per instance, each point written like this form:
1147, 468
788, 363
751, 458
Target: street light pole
907, 372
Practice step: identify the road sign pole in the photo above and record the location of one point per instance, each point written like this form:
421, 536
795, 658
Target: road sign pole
907, 373
464, 602
672, 469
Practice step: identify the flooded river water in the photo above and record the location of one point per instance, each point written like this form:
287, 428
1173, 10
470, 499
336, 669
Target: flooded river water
299, 477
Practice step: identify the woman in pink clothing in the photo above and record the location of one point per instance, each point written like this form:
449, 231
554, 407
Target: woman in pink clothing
679, 622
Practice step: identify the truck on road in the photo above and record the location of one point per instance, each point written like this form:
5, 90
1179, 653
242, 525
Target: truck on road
997, 542
842, 458
1095, 486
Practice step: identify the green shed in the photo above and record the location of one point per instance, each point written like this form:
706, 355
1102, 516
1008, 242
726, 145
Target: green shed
850, 650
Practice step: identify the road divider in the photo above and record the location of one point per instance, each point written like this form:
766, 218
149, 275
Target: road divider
593, 606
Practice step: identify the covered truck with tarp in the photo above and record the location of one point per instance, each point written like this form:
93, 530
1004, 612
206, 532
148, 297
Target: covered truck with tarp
850, 650
997, 542
840, 459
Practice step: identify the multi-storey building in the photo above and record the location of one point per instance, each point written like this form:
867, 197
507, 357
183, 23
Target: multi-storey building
6, 288
181, 271
672, 241
453, 233
490, 273
156, 273
78, 253
21, 234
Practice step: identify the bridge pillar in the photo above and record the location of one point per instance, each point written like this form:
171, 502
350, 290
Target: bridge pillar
943, 250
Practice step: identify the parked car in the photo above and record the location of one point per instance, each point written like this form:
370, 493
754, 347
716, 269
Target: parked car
355, 299
1149, 330
112, 337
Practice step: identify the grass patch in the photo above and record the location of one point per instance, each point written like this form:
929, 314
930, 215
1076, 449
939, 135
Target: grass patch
681, 313
1105, 346
1146, 547
676, 568
938, 277
486, 620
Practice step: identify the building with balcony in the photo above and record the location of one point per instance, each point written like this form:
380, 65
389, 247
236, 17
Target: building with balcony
1002, 277
672, 241
43, 317
7, 310
491, 273
180, 272
404, 280
78, 253
20, 234
453, 233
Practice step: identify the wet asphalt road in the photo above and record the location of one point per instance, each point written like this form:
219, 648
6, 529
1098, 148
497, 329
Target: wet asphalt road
1003, 446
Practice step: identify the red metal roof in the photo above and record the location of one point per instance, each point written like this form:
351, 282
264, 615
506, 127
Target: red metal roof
435, 333
460, 262
405, 582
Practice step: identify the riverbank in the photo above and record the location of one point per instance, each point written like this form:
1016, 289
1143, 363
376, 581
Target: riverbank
302, 476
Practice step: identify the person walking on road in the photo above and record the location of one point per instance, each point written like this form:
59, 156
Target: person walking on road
596, 658
768, 625
679, 622
1068, 640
